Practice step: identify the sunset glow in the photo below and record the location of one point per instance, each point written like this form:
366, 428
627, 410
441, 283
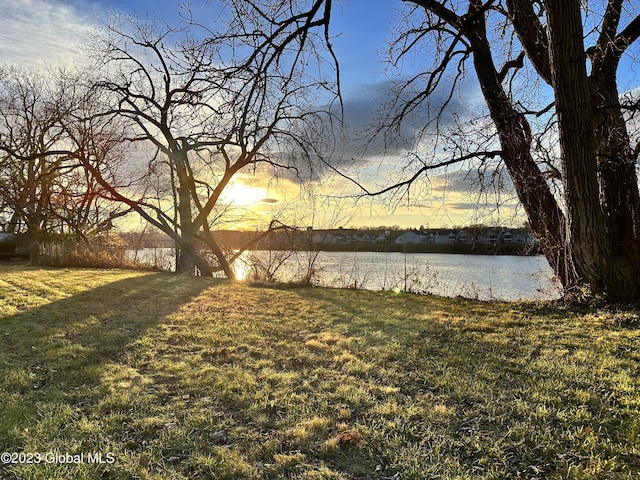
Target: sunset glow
242, 195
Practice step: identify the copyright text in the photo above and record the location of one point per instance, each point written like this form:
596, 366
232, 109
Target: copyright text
22, 458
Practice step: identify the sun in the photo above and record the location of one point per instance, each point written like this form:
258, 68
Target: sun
240, 194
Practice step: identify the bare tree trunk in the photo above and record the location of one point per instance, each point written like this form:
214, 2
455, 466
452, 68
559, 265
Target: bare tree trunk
189, 258
545, 215
618, 183
585, 229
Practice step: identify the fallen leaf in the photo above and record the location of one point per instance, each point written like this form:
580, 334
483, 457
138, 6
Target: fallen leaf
350, 438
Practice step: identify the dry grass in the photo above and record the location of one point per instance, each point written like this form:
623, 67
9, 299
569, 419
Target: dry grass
196, 378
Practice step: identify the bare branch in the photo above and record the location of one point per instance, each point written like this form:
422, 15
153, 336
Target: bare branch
532, 34
417, 174
628, 35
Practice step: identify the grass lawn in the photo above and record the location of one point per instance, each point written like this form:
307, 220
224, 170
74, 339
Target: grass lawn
189, 378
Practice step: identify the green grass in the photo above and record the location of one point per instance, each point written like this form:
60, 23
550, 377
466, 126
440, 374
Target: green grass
183, 378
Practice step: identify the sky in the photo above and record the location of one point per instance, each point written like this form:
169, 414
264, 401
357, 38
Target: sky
53, 32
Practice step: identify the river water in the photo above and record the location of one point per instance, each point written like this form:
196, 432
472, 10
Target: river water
485, 277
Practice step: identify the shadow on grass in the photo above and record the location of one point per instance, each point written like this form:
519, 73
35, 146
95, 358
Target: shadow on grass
258, 383
525, 389
56, 353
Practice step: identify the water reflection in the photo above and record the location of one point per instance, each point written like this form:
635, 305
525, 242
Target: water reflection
477, 276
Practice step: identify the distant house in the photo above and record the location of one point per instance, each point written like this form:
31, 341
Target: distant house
380, 239
505, 236
411, 237
462, 237
445, 238
486, 238
521, 238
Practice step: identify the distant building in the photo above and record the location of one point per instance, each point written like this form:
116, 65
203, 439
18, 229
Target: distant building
505, 236
462, 237
445, 238
411, 237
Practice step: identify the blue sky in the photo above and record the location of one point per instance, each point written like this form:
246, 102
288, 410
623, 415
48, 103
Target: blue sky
36, 30
361, 28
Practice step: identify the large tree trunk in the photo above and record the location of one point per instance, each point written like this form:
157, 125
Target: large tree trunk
600, 184
585, 227
618, 182
188, 258
545, 215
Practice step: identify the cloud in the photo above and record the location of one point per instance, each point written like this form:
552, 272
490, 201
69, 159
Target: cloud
361, 148
463, 205
487, 178
37, 32
370, 109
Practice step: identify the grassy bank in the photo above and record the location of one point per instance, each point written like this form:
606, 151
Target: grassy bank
180, 378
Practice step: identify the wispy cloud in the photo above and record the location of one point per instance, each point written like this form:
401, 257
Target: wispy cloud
38, 32
370, 110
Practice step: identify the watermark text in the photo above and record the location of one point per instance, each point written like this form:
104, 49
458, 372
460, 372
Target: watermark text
26, 458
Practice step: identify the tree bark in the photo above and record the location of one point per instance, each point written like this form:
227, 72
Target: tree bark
545, 215
617, 179
619, 197
600, 185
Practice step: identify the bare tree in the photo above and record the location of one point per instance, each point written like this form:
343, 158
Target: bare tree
580, 194
209, 102
43, 187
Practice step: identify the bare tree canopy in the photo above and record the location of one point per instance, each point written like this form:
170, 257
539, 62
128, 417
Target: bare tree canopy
557, 121
205, 102
44, 188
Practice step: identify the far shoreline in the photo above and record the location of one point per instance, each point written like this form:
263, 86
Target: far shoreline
454, 249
